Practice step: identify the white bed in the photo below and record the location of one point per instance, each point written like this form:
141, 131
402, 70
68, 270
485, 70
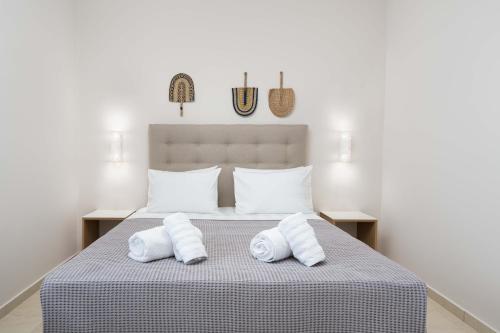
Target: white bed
355, 290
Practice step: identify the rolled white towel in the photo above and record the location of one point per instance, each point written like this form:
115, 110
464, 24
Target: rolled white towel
151, 244
270, 245
186, 238
302, 239
183, 217
176, 253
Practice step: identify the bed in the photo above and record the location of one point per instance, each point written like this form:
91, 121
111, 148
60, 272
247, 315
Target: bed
355, 290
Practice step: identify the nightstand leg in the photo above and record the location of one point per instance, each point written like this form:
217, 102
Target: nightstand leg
367, 233
90, 232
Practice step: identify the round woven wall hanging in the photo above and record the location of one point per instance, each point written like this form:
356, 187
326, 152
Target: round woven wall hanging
245, 99
181, 90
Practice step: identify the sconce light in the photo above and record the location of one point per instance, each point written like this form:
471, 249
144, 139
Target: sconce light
116, 147
345, 147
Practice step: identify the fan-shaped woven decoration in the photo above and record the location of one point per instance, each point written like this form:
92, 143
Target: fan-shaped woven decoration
181, 90
245, 99
282, 100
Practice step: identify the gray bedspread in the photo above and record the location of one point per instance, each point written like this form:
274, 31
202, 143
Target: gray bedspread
355, 290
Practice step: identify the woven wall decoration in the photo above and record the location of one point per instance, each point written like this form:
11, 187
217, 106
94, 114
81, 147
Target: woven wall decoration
245, 99
282, 100
181, 90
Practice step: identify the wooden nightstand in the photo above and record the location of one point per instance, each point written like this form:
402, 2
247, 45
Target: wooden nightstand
366, 224
90, 223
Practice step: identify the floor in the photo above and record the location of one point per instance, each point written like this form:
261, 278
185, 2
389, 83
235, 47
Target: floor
27, 318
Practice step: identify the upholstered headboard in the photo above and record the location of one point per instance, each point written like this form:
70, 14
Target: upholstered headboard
187, 147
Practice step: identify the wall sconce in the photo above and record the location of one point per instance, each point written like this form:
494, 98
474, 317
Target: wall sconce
345, 147
116, 147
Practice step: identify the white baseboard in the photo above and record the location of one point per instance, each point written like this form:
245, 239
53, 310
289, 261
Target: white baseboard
459, 312
26, 293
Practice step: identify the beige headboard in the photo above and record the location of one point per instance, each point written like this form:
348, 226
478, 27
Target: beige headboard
187, 147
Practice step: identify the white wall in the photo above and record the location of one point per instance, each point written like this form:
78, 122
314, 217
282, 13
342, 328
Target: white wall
441, 158
38, 185
332, 54
440, 180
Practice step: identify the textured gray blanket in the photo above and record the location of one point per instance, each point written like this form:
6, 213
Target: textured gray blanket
355, 290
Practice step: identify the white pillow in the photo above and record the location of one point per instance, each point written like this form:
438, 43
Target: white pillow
273, 191
192, 191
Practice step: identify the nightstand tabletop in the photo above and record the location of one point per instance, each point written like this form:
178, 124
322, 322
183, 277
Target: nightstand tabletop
108, 214
348, 216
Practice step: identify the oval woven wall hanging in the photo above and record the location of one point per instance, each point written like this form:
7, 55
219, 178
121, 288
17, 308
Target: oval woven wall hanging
245, 99
181, 90
282, 100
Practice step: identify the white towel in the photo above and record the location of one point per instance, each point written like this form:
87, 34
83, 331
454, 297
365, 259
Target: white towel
151, 244
186, 238
270, 245
176, 253
302, 240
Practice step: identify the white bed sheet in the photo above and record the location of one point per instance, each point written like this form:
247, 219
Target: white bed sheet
224, 213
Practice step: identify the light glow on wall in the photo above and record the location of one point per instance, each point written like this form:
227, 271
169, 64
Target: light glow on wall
116, 118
